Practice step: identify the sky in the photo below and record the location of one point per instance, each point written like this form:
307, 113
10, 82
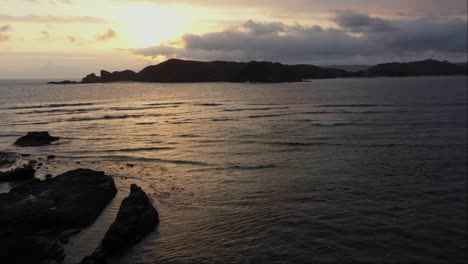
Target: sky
71, 38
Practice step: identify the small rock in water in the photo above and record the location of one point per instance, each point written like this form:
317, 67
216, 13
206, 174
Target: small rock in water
25, 155
36, 139
51, 157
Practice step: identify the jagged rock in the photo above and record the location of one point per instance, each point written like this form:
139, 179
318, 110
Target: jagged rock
122, 76
36, 215
18, 174
36, 139
91, 78
135, 219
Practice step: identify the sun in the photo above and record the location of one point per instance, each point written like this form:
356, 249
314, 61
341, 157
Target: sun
150, 25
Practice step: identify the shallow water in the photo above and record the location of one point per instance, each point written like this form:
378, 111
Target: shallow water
345, 170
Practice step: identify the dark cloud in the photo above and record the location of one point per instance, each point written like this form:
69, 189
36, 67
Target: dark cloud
311, 44
110, 34
52, 19
361, 23
411, 8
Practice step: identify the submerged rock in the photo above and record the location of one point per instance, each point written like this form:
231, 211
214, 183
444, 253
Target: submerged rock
135, 219
36, 139
18, 174
35, 215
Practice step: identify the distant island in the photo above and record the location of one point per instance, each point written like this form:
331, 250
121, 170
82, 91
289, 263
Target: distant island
186, 71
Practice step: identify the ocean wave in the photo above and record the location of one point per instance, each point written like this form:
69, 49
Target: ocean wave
188, 136
223, 119
325, 123
156, 160
354, 105
50, 106
105, 117
266, 115
64, 111
254, 109
146, 123
140, 149
133, 108
162, 104
208, 104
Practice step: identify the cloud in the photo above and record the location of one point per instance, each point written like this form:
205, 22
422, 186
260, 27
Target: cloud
3, 29
381, 40
52, 19
411, 8
110, 34
361, 23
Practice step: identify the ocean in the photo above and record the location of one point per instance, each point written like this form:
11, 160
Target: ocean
327, 171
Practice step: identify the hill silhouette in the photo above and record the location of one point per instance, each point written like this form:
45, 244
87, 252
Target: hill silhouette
184, 71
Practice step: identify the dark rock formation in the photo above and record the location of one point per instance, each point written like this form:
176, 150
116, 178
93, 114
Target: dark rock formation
36, 139
18, 174
91, 78
6, 159
123, 76
181, 71
136, 218
418, 68
63, 82
33, 216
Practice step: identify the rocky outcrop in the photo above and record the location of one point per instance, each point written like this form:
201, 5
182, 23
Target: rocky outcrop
91, 78
123, 76
18, 174
34, 216
35, 139
135, 219
417, 68
63, 82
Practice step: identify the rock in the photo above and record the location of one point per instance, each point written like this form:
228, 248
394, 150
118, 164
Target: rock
36, 139
122, 76
91, 78
135, 219
35, 215
18, 174
51, 157
6, 159
63, 82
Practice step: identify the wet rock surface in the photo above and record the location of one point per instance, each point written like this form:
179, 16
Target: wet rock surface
18, 174
36, 216
36, 139
135, 219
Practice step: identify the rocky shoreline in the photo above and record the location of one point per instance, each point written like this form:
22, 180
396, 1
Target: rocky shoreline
38, 217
